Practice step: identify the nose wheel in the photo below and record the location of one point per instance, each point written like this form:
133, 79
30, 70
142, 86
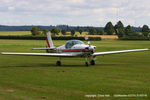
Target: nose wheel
92, 62
86, 64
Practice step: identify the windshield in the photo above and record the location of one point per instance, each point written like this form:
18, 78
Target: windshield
71, 43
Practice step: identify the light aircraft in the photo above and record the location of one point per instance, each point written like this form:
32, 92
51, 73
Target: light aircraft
72, 48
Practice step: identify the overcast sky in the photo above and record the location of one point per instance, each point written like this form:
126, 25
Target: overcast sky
74, 12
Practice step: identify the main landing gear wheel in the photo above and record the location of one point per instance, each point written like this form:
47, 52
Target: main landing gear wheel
92, 62
86, 64
58, 63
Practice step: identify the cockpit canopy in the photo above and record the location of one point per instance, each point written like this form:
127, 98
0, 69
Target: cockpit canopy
71, 43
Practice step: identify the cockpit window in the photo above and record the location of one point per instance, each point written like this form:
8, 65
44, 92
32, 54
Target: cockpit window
71, 43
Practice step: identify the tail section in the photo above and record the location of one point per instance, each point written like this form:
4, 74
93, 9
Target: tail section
49, 41
50, 45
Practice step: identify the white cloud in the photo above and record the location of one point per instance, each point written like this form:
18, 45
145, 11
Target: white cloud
98, 10
7, 1
76, 1
11, 8
75, 12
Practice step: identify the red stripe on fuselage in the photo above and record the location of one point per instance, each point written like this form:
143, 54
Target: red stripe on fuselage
71, 50
74, 50
47, 42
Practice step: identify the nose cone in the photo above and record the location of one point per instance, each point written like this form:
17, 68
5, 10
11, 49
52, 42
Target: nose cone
91, 48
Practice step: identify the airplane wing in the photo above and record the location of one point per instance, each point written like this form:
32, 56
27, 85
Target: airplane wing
71, 54
116, 52
43, 54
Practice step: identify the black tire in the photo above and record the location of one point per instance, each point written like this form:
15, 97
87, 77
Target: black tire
86, 64
92, 62
58, 63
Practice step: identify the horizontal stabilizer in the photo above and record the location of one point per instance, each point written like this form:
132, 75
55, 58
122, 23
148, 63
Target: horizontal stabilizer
52, 48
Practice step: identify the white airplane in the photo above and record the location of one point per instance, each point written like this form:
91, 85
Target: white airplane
73, 48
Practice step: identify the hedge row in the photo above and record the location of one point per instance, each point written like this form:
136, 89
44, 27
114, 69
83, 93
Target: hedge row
135, 38
43, 38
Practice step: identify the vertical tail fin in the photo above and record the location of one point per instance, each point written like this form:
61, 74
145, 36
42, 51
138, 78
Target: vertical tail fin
49, 41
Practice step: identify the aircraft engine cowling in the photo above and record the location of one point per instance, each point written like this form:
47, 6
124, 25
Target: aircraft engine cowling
91, 49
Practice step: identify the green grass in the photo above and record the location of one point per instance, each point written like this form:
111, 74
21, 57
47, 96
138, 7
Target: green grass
14, 33
38, 78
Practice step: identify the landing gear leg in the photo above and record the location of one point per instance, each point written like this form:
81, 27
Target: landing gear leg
86, 62
58, 63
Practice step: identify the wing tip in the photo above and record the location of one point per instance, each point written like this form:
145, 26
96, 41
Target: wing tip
147, 48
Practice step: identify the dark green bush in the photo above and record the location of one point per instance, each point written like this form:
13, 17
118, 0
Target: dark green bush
134, 38
44, 38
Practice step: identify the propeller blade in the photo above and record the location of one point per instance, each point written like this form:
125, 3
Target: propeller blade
86, 38
89, 43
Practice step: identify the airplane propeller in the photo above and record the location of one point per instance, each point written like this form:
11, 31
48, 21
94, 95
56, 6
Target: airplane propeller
87, 38
89, 43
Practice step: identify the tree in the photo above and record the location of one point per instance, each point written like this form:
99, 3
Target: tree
92, 31
145, 30
63, 32
72, 32
120, 25
120, 32
45, 31
80, 31
129, 31
109, 28
100, 31
55, 31
119, 29
35, 31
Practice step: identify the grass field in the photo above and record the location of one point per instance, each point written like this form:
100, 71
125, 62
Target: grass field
38, 78
14, 33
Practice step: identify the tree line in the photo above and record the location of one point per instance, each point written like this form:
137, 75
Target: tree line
109, 29
54, 31
128, 31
